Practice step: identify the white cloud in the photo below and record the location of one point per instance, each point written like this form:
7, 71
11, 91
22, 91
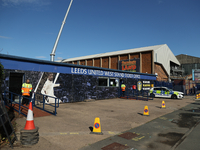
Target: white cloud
4, 37
59, 58
19, 2
40, 57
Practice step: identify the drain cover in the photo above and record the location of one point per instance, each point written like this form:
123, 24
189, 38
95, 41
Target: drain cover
128, 135
115, 146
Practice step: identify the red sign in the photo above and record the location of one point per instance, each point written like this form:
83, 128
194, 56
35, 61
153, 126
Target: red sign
134, 87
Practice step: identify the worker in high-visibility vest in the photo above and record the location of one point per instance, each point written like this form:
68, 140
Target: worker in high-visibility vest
26, 92
123, 88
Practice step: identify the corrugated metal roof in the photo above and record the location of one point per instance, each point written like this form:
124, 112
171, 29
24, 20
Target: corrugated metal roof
162, 55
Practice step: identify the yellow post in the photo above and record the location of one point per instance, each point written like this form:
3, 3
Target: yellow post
146, 111
163, 104
97, 126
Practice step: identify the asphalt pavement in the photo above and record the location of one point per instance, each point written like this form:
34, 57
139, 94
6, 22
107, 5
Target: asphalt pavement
179, 130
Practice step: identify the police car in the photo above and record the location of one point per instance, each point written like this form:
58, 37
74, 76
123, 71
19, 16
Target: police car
164, 92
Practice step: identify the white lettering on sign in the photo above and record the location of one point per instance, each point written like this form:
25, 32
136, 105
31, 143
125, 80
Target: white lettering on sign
78, 71
146, 81
137, 76
95, 72
108, 73
84, 71
116, 74
129, 75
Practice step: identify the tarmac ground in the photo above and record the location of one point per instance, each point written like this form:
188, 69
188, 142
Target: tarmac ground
70, 129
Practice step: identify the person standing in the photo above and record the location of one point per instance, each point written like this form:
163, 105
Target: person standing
123, 88
26, 92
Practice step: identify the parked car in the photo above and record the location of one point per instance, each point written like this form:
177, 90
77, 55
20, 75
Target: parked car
164, 92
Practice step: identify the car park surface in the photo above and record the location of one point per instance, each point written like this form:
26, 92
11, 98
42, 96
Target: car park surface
70, 128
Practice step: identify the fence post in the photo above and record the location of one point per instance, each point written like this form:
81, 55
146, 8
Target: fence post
20, 104
136, 94
34, 99
5, 97
55, 107
11, 99
43, 102
147, 95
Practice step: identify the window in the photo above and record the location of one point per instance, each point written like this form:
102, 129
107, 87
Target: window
114, 82
109, 82
103, 81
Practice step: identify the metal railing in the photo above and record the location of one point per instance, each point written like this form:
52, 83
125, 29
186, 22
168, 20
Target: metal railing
11, 98
40, 101
135, 94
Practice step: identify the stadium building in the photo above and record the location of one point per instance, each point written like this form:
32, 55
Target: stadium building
158, 60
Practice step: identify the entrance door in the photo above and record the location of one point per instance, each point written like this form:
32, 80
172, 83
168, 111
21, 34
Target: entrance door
15, 83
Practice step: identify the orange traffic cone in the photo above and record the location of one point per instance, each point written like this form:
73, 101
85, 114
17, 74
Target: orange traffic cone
29, 121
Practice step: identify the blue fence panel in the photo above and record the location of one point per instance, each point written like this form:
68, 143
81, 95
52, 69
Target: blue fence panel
135, 94
10, 99
163, 83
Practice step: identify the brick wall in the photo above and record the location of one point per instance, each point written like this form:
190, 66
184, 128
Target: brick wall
134, 55
97, 62
124, 57
114, 62
162, 75
82, 62
89, 62
105, 62
147, 62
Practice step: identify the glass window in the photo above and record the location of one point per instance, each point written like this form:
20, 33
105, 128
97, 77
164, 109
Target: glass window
114, 82
103, 81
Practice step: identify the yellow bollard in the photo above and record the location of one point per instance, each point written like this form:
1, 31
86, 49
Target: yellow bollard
146, 111
163, 104
96, 127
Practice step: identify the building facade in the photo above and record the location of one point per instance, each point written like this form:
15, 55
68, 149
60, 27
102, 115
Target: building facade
152, 60
68, 82
188, 63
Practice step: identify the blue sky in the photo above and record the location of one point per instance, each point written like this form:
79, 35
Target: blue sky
29, 28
